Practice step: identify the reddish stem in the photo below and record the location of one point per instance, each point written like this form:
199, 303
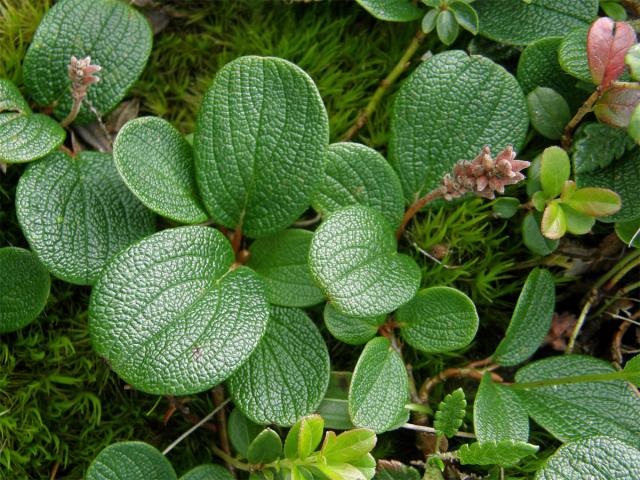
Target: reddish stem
415, 208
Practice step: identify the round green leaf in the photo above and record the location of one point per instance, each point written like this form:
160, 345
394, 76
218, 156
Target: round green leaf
524, 21
27, 137
208, 472
505, 207
116, 36
170, 316
242, 431
555, 169
548, 111
379, 388
447, 27
595, 202
354, 260
572, 54
632, 59
435, 116
554, 221
281, 261
265, 448
77, 213
629, 232
532, 236
429, 20
438, 319
156, 163
260, 144
465, 15
287, 375
392, 10
130, 461
358, 175
351, 330
24, 288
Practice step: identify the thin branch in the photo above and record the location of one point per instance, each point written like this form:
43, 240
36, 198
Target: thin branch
586, 107
464, 372
420, 428
416, 207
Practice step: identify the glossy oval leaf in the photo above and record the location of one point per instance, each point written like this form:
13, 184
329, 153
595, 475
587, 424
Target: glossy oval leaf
434, 121
353, 258
554, 221
208, 472
379, 388
241, 431
607, 45
438, 319
351, 330
260, 143
170, 316
572, 54
304, 437
616, 105
77, 213
577, 223
265, 448
355, 174
24, 288
632, 59
548, 112
115, 35
25, 137
447, 27
287, 375
130, 461
465, 15
156, 163
281, 260
555, 169
595, 202
392, 10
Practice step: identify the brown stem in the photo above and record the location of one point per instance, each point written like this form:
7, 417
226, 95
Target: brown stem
586, 107
236, 240
415, 208
464, 372
75, 109
221, 417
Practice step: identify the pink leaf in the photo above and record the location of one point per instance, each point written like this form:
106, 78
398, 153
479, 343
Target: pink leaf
616, 106
607, 44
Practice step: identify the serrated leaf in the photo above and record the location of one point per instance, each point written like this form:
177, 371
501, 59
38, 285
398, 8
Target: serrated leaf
633, 366
554, 221
555, 169
447, 27
351, 330
434, 121
450, 413
629, 232
130, 461
260, 144
530, 321
438, 319
265, 448
379, 388
572, 54
241, 431
577, 223
77, 213
632, 59
524, 22
304, 437
358, 175
281, 260
600, 457
28, 137
498, 413
349, 446
616, 105
24, 288
504, 453
607, 45
286, 377
394, 470
595, 202
354, 260
532, 236
208, 472
156, 163
597, 145
577, 410
171, 317
465, 15
548, 111
392, 10
116, 36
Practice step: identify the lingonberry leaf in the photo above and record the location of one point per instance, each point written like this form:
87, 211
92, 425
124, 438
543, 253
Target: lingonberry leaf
130, 461
555, 169
530, 321
632, 59
353, 258
241, 431
450, 413
572, 54
208, 472
260, 143
281, 260
392, 10
533, 238
358, 175
379, 388
577, 223
77, 213
465, 15
438, 319
156, 163
554, 221
595, 202
596, 145
351, 330
616, 105
116, 37
429, 133
548, 112
505, 207
503, 453
348, 446
265, 448
24, 288
607, 45
170, 315
447, 27
304, 437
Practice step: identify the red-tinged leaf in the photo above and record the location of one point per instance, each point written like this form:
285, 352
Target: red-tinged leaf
607, 44
616, 106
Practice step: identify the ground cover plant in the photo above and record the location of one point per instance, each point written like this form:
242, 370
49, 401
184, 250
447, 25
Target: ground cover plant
239, 244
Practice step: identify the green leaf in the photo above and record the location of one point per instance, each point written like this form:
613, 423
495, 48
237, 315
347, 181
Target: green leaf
265, 448
555, 169
595, 202
242, 431
634, 125
116, 36
532, 236
429, 20
450, 413
616, 105
577, 223
394, 470
523, 22
600, 457
351, 330
11, 100
438, 319
434, 120
597, 145
498, 413
392, 10
304, 437
572, 54
554, 221
156, 163
339, 471
354, 260
621, 177
260, 143
349, 446
358, 175
334, 408
77, 213
539, 200
504, 453
577, 410
130, 461
629, 232
633, 366
281, 261
286, 377
447, 27
465, 15
548, 111
632, 59
614, 10
208, 472
505, 207
24, 288
379, 388
366, 464
531, 319
171, 317
25, 137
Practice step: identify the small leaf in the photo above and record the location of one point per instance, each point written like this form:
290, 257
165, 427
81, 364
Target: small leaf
614, 10
597, 145
208, 472
438, 319
242, 431
28, 137
554, 221
572, 54
616, 105
505, 207
539, 201
554, 170
504, 453
379, 388
607, 44
429, 20
532, 236
632, 59
465, 15
125, 460
304, 437
366, 464
450, 413
447, 27
634, 125
349, 446
392, 10
577, 223
596, 202
629, 232
351, 330
265, 448
633, 367
548, 111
